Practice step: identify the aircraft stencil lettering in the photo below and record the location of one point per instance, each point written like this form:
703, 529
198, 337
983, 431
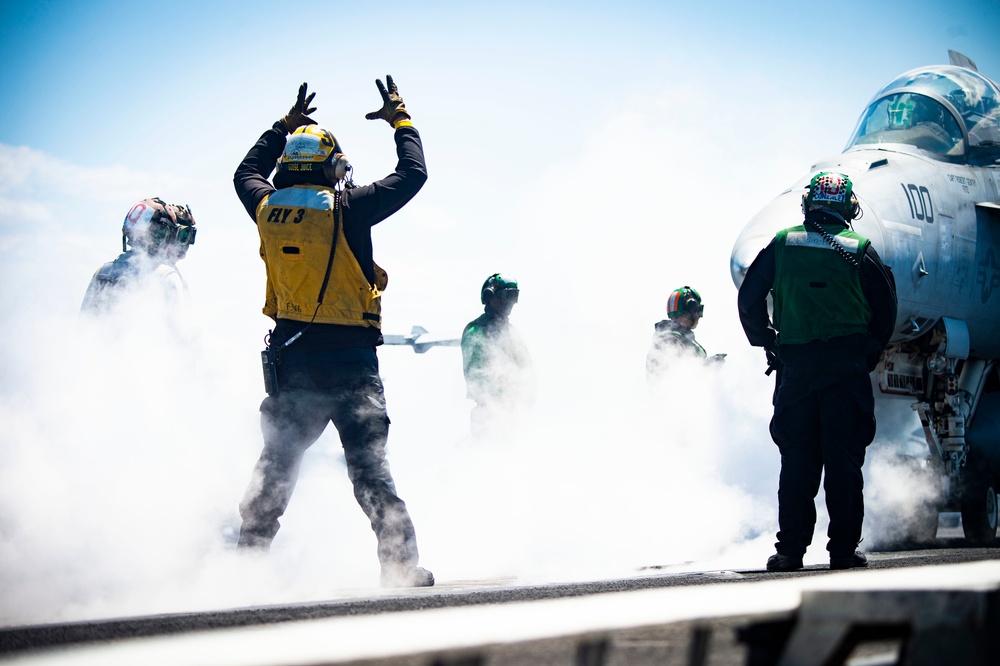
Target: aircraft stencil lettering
933, 132
919, 198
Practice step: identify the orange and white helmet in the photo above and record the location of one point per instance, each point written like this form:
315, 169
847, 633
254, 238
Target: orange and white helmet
153, 225
684, 301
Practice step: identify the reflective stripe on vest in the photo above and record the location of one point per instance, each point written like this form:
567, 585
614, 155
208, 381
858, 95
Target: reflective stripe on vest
817, 293
296, 227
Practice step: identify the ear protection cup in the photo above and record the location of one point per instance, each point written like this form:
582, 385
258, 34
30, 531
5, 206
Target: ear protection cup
489, 288
336, 167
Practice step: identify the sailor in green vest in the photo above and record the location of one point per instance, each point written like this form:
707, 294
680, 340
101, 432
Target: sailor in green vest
674, 338
499, 375
834, 309
323, 291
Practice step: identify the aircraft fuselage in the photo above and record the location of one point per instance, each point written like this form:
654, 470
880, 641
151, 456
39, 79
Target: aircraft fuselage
924, 162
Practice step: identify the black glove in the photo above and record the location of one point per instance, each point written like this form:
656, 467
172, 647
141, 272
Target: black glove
773, 362
392, 110
298, 115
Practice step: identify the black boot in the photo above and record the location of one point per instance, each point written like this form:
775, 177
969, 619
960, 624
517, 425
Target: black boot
854, 561
779, 562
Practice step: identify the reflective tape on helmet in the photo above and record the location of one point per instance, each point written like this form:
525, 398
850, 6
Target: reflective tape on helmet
308, 148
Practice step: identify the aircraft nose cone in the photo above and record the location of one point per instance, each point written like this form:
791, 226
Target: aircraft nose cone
784, 211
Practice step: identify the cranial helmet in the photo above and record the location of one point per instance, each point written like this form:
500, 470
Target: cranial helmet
153, 225
684, 301
499, 286
831, 191
312, 155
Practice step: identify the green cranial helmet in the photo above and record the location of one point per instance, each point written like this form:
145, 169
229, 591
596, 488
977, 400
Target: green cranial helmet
831, 191
498, 285
684, 301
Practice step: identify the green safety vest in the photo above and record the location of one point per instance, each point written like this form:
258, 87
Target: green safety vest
817, 292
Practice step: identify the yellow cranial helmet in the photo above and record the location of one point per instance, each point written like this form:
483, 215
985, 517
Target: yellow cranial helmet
308, 149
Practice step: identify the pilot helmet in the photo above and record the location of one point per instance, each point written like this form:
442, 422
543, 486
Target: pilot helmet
831, 191
684, 301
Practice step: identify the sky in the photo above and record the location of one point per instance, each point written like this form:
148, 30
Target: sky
601, 153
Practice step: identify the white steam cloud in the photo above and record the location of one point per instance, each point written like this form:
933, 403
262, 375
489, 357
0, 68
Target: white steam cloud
127, 446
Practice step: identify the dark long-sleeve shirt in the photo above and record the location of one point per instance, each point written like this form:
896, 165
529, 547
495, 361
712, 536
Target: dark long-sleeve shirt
363, 207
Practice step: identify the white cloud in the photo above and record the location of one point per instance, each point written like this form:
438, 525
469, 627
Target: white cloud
127, 450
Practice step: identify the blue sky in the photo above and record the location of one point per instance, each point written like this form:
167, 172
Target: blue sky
101, 70
602, 153
173, 94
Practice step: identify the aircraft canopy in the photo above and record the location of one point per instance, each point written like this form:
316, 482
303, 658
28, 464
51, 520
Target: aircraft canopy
946, 110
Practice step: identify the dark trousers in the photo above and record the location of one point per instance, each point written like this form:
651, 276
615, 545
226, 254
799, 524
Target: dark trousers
823, 422
350, 395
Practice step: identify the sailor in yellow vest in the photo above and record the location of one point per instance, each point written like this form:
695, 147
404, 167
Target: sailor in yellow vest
323, 292
834, 309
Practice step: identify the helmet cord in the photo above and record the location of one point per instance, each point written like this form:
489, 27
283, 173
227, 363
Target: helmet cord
841, 250
338, 217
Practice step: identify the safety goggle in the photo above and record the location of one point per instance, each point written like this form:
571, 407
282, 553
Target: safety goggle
694, 308
163, 233
509, 294
185, 235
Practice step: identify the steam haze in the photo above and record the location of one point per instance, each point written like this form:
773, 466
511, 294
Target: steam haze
601, 181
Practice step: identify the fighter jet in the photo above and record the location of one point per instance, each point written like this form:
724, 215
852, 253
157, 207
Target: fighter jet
924, 160
420, 340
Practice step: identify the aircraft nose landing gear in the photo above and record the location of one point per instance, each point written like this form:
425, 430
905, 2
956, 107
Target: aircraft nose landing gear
959, 410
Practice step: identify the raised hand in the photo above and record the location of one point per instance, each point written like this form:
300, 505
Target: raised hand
392, 110
298, 115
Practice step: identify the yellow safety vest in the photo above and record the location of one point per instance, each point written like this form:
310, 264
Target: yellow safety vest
297, 227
